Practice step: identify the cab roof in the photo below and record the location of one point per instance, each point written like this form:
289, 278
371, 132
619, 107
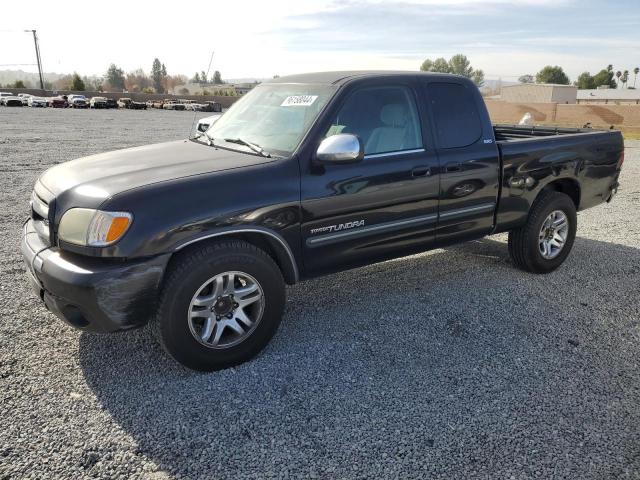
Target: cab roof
340, 77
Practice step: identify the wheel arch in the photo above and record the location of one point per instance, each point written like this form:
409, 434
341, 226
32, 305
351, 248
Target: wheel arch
270, 242
568, 186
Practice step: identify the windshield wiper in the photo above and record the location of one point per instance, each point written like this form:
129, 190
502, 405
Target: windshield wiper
256, 148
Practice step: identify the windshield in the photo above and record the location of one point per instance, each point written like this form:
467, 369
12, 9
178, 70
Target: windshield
272, 116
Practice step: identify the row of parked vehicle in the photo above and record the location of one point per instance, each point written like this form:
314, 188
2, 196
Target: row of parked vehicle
8, 99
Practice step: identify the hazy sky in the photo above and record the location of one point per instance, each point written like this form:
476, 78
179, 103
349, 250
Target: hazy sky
262, 38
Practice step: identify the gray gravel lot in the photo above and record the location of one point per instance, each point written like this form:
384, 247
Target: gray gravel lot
450, 364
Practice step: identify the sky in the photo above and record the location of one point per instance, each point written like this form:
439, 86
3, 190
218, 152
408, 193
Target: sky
260, 39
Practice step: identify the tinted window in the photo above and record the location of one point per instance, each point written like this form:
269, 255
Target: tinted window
456, 116
385, 119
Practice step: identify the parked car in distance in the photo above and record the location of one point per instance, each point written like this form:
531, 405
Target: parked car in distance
5, 94
211, 107
173, 105
111, 103
149, 103
77, 101
124, 102
310, 174
98, 102
137, 105
37, 101
157, 104
130, 104
59, 102
25, 98
11, 101
191, 105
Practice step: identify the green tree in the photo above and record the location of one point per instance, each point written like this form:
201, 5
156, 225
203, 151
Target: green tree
585, 81
115, 77
77, 83
148, 90
196, 78
439, 65
553, 74
158, 74
636, 71
478, 77
217, 78
458, 65
604, 78
17, 84
625, 78
203, 77
526, 78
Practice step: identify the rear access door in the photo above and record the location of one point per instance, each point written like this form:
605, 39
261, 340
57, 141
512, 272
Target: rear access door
468, 157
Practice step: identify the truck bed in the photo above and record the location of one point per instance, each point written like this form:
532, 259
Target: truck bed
508, 133
583, 162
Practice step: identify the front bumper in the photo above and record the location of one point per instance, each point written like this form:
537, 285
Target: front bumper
93, 294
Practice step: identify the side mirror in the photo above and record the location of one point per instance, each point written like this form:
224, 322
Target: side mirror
205, 123
340, 148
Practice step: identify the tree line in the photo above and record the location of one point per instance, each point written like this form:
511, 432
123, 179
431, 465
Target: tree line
116, 80
201, 78
460, 65
606, 77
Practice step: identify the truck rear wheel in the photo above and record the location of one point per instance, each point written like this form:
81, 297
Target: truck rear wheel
220, 305
545, 241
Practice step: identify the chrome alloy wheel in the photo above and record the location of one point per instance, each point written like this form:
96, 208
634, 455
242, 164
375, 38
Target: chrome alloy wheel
553, 234
226, 309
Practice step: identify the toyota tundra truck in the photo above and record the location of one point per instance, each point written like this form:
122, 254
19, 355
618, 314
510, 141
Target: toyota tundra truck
304, 176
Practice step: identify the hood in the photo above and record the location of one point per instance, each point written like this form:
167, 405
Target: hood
106, 174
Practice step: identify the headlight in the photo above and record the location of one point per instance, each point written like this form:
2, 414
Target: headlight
94, 228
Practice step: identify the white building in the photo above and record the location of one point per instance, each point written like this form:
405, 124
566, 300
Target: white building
539, 93
615, 96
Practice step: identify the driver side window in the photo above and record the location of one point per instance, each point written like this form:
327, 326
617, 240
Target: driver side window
385, 119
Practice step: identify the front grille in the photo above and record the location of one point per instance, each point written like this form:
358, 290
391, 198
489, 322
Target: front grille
40, 216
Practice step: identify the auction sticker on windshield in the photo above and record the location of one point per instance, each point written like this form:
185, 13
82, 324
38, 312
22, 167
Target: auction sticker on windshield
298, 100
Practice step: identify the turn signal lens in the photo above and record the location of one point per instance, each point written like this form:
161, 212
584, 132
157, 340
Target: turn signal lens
107, 227
118, 226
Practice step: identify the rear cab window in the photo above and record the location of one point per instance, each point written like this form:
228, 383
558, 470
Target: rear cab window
456, 118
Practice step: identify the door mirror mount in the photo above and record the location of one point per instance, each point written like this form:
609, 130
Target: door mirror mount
342, 148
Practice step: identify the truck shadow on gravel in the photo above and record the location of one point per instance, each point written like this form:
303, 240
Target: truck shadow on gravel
451, 363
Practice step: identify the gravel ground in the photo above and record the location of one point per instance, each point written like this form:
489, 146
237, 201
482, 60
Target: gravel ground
450, 364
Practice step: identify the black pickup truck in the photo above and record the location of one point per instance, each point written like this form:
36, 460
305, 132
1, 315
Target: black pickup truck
304, 176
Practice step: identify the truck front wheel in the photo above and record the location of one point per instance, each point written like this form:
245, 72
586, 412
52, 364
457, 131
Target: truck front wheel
545, 241
220, 305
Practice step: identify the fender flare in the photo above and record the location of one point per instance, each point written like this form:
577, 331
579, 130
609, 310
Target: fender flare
288, 255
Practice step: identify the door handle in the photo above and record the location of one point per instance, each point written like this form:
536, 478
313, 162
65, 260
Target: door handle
453, 167
421, 172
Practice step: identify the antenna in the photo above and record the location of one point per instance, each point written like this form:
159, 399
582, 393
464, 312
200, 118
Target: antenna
195, 112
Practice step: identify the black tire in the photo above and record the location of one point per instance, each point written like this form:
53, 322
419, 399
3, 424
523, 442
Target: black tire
183, 279
524, 241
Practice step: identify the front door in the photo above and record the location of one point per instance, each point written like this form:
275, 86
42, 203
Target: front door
382, 206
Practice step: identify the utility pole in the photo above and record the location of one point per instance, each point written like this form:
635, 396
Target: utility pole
35, 41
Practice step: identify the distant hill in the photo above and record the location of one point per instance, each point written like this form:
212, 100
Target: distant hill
31, 79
